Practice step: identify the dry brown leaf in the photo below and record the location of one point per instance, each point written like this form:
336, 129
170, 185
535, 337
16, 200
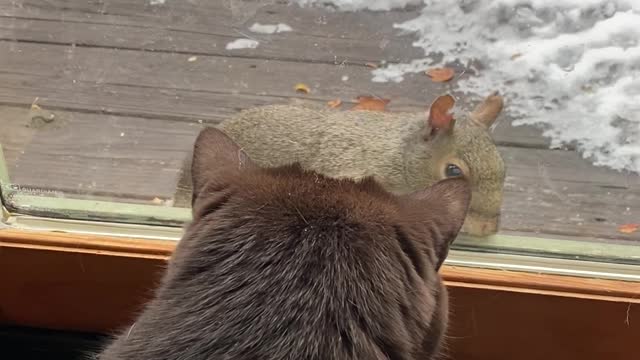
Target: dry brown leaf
302, 88
515, 56
628, 228
371, 103
334, 103
439, 115
441, 74
371, 65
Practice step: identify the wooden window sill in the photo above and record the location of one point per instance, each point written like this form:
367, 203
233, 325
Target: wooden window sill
97, 283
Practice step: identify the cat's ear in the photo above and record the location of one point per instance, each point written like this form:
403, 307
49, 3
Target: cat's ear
444, 207
217, 160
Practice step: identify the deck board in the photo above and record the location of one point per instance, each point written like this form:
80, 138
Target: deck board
549, 191
205, 27
558, 192
157, 85
105, 156
129, 104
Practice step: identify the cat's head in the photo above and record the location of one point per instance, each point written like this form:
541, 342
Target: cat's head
352, 242
221, 167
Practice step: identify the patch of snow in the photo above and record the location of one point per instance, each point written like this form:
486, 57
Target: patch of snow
242, 44
355, 5
395, 72
571, 66
157, 2
269, 29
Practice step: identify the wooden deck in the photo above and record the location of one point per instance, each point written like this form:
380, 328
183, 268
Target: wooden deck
127, 102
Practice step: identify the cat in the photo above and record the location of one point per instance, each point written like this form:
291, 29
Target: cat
284, 263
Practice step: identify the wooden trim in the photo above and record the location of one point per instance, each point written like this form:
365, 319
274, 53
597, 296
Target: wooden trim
87, 243
599, 289
98, 283
505, 325
454, 276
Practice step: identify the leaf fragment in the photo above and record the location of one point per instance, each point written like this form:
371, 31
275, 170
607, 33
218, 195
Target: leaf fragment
628, 228
334, 103
441, 74
302, 88
371, 103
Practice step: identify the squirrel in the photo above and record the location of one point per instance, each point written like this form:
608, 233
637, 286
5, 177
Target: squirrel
404, 151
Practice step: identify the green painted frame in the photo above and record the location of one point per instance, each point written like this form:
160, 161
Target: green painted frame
26, 210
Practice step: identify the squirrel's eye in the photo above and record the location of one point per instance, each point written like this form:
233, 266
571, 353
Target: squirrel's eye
452, 171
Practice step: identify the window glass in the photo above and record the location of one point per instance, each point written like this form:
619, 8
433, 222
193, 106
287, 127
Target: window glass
100, 103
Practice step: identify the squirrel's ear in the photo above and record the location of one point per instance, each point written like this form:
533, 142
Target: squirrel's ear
439, 118
485, 113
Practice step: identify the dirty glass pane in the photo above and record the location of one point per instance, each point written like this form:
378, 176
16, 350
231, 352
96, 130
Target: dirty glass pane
100, 102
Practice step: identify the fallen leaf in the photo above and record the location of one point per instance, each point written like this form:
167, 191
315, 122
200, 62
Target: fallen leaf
192, 59
35, 107
302, 88
439, 115
371, 103
334, 103
628, 228
371, 65
515, 56
441, 74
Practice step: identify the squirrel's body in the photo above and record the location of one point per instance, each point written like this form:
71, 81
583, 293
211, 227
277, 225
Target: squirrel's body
403, 151
372, 144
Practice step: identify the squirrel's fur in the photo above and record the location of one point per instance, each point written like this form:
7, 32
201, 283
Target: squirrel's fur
401, 150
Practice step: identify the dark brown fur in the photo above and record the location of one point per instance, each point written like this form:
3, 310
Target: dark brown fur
283, 263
